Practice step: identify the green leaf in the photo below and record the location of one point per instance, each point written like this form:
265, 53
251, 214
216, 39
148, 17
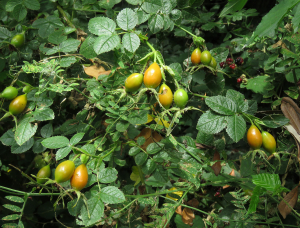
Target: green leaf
47, 130
25, 131
151, 181
222, 105
220, 54
62, 152
252, 107
4, 33
56, 142
57, 37
69, 45
275, 121
107, 175
43, 114
154, 148
134, 150
138, 117
76, 138
296, 19
259, 84
12, 207
102, 26
47, 25
32, 4
142, 16
257, 192
87, 48
10, 5
16, 149
15, 199
140, 158
152, 6
19, 12
190, 14
233, 6
127, 19
105, 43
108, 4
11, 217
74, 206
272, 19
211, 123
236, 127
266, 180
112, 195
161, 174
11, 225
93, 213
131, 42
134, 2
205, 138
67, 61
8, 138
239, 99
156, 23
149, 167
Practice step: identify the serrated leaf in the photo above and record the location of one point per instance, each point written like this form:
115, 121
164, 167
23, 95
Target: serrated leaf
32, 4
275, 121
62, 153
107, 175
259, 84
47, 25
93, 213
105, 43
75, 205
76, 138
205, 138
156, 23
222, 105
87, 47
266, 180
17, 149
19, 12
239, 99
4, 33
102, 26
112, 195
47, 130
152, 6
154, 148
138, 117
127, 19
56, 142
236, 127
211, 123
67, 61
131, 42
43, 114
69, 45
296, 20
254, 199
8, 138
272, 19
25, 131
57, 37
10, 5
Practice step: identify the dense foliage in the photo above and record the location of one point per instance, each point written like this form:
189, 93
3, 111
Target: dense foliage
155, 113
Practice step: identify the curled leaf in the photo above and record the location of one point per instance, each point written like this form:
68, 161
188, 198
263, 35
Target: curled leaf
291, 111
217, 166
188, 216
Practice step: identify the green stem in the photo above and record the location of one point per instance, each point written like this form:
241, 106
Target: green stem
76, 157
153, 50
65, 17
141, 174
245, 115
155, 194
186, 31
16, 192
87, 10
197, 95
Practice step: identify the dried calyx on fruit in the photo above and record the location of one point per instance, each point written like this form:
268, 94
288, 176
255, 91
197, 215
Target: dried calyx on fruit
239, 61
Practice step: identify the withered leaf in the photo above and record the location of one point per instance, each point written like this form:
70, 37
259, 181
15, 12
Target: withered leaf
179, 210
188, 216
292, 112
217, 166
291, 199
296, 136
150, 136
95, 71
193, 203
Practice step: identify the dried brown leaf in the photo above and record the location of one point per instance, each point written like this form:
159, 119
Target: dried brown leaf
150, 136
291, 111
217, 166
179, 210
193, 203
96, 70
296, 136
188, 216
291, 199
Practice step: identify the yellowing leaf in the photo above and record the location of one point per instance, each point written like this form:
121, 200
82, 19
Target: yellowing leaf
162, 122
135, 175
150, 118
179, 193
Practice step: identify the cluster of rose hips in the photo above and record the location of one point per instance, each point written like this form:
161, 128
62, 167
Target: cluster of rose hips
229, 61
